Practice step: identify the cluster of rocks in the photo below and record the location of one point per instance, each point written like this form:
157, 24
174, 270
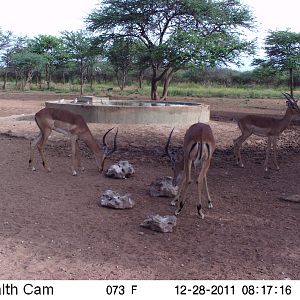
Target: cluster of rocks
161, 187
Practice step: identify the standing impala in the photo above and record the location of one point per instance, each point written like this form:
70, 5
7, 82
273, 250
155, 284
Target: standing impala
74, 126
198, 147
266, 127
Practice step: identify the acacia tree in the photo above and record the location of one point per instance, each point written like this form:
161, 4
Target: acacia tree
50, 47
26, 63
175, 32
283, 53
121, 55
6, 40
80, 47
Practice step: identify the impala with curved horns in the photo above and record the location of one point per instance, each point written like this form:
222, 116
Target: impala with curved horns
265, 127
198, 147
74, 126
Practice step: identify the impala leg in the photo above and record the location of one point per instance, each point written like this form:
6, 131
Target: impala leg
41, 147
77, 154
210, 205
267, 154
33, 144
274, 142
182, 196
237, 147
174, 201
74, 155
202, 179
184, 186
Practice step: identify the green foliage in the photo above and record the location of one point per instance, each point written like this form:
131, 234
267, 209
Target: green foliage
283, 49
174, 33
5, 39
283, 53
121, 55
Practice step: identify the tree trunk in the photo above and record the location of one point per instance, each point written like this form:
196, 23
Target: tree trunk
140, 78
64, 77
16, 78
81, 77
4, 80
91, 78
154, 92
47, 77
28, 80
154, 84
291, 83
167, 81
123, 80
118, 79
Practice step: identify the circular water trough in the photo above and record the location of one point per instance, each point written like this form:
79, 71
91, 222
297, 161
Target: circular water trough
102, 110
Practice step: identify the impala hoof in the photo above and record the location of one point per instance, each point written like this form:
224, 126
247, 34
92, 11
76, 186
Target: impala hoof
74, 173
177, 212
33, 169
201, 214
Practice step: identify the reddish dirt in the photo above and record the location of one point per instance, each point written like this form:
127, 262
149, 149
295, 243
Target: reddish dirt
51, 226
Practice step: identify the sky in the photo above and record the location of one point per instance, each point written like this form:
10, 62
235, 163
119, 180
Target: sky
34, 17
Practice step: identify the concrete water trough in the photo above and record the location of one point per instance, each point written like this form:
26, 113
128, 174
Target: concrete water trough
104, 110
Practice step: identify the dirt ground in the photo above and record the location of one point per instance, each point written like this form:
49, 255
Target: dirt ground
52, 227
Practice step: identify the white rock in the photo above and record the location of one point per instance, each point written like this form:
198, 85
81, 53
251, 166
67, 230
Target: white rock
121, 170
113, 200
160, 223
163, 187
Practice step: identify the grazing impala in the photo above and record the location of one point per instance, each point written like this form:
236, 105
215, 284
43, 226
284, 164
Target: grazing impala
74, 126
198, 147
266, 127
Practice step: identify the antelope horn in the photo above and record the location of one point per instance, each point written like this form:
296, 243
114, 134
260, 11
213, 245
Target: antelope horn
289, 98
167, 151
105, 147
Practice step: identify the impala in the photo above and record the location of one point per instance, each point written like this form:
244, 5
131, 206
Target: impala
74, 126
198, 147
266, 127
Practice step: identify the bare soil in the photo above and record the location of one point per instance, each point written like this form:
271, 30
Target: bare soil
52, 227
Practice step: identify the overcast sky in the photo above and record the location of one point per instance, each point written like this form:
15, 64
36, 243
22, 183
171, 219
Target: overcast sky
34, 17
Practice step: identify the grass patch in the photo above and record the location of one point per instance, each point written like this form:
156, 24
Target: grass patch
175, 90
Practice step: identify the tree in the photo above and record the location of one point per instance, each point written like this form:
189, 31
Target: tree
50, 48
80, 47
25, 64
283, 53
6, 40
121, 55
174, 33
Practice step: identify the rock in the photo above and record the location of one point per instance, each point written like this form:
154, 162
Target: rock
291, 198
121, 170
163, 187
160, 223
114, 200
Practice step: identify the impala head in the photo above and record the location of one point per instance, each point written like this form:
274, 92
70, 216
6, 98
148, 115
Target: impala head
292, 103
176, 161
106, 151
